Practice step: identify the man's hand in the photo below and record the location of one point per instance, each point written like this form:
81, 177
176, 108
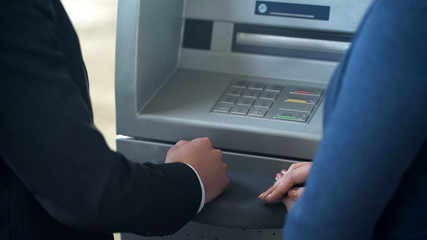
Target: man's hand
283, 189
207, 162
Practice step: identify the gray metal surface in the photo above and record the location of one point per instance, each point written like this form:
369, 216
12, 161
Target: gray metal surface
345, 15
237, 210
181, 110
291, 42
164, 93
198, 231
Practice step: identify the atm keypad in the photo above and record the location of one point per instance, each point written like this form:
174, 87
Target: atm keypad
302, 99
263, 103
234, 91
256, 112
268, 95
240, 110
308, 91
228, 99
222, 108
256, 85
274, 88
246, 102
297, 107
269, 101
291, 116
250, 93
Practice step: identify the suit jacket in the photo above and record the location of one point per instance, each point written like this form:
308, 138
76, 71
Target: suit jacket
58, 178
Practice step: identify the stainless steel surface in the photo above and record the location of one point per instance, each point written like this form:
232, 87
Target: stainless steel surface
263, 40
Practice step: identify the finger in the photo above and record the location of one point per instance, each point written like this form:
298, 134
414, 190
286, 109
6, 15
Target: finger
177, 146
181, 143
263, 195
278, 176
204, 140
296, 174
295, 193
289, 202
298, 165
219, 152
278, 190
269, 190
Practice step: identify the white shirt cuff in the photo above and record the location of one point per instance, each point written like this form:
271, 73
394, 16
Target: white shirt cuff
202, 202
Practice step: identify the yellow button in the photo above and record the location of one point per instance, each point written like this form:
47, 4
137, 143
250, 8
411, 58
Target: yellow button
296, 100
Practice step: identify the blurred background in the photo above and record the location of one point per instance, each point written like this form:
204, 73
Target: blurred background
95, 23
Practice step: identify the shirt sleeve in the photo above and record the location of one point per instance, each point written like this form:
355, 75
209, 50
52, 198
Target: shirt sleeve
374, 126
203, 198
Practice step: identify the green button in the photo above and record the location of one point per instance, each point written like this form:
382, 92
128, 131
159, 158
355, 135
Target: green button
284, 117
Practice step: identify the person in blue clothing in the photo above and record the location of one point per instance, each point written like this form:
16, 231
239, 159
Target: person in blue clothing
368, 179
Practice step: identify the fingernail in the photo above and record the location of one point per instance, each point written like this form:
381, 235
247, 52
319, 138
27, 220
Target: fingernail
284, 172
260, 196
293, 193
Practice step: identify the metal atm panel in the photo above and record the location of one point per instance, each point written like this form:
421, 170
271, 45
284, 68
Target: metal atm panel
250, 75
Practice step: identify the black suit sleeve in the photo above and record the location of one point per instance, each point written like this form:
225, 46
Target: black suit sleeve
49, 141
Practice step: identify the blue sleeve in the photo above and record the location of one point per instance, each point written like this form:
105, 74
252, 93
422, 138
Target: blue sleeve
375, 125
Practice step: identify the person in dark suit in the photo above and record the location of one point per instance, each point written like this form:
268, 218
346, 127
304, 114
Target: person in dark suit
58, 178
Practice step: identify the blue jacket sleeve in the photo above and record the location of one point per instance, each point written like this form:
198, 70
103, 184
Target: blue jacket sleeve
375, 126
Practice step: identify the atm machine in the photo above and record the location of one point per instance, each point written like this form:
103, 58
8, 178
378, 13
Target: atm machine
250, 75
